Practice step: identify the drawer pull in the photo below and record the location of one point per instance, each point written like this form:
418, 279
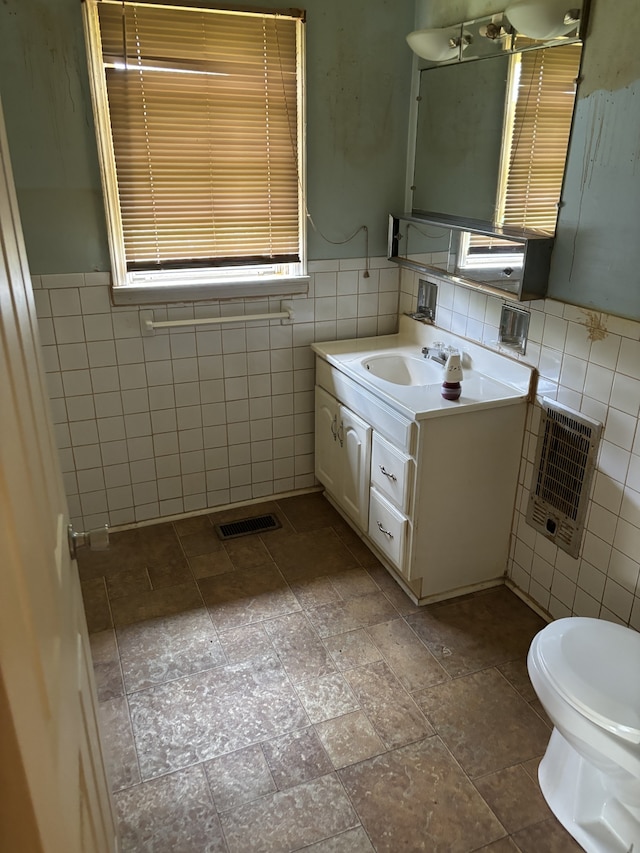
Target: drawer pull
386, 532
387, 474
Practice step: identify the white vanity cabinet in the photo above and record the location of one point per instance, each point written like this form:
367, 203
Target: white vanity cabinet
343, 453
432, 496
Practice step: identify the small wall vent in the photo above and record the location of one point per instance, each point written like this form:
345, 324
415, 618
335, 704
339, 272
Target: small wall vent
564, 465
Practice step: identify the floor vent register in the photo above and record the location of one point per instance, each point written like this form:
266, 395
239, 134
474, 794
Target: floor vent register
247, 526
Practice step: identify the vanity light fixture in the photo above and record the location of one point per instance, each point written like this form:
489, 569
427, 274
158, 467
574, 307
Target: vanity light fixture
543, 19
540, 20
495, 29
439, 45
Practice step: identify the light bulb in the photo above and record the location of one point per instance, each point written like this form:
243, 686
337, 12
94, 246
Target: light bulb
542, 19
436, 45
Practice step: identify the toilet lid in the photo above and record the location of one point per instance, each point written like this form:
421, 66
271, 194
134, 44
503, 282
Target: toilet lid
595, 666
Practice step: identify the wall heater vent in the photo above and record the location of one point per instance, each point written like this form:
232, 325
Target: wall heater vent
564, 465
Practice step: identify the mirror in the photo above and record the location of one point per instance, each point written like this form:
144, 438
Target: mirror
459, 138
467, 130
491, 146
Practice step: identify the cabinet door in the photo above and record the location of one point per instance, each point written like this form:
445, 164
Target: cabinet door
354, 435
327, 448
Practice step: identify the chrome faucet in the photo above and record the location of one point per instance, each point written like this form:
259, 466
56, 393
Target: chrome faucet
436, 352
439, 352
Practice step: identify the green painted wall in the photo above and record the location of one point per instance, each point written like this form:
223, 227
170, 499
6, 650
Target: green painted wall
596, 260
358, 78
45, 93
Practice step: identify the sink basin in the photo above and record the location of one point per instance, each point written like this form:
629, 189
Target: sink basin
391, 369
403, 369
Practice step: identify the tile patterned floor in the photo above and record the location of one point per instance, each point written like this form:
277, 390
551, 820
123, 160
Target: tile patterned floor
280, 692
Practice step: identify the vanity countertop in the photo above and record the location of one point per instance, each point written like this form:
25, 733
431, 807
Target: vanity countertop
491, 379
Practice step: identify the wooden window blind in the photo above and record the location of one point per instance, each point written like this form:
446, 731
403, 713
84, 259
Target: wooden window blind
203, 107
540, 136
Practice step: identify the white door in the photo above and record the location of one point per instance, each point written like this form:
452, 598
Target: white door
327, 456
54, 796
355, 437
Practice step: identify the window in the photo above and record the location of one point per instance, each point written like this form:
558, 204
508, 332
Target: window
199, 119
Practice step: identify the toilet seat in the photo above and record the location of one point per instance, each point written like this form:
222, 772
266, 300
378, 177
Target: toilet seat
595, 666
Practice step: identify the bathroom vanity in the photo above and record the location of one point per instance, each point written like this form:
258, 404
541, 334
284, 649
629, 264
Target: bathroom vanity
429, 484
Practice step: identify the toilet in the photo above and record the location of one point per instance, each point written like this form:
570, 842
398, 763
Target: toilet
586, 673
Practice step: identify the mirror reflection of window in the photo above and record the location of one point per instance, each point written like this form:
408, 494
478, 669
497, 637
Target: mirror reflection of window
542, 95
538, 115
491, 260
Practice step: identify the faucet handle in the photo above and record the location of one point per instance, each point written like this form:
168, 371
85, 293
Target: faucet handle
448, 351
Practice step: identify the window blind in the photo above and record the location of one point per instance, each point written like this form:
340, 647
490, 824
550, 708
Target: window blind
203, 107
540, 136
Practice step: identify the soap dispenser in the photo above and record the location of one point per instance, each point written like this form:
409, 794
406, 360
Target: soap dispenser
451, 389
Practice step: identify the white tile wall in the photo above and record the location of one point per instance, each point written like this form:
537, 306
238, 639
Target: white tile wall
589, 361
195, 418
192, 417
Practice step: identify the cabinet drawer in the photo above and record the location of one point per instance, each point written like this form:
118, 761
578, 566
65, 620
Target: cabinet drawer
387, 528
391, 472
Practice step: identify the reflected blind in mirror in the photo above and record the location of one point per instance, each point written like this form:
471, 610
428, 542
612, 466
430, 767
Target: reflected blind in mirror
540, 136
203, 107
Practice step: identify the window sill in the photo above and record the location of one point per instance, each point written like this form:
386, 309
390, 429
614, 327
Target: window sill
148, 294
